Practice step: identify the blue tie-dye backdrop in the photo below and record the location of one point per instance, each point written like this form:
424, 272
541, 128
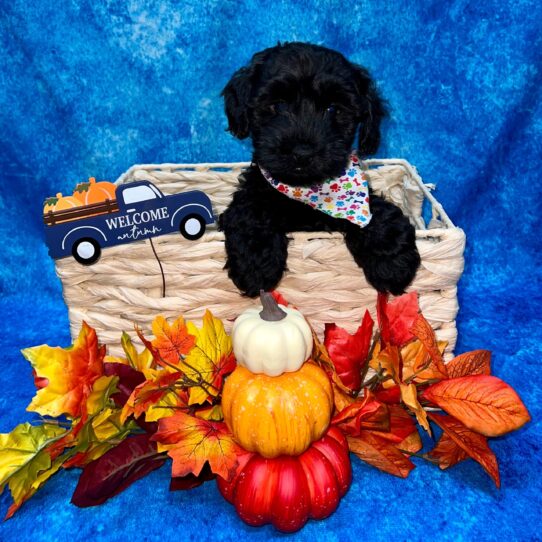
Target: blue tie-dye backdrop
91, 87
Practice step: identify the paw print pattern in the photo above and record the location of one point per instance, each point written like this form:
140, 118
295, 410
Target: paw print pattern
345, 196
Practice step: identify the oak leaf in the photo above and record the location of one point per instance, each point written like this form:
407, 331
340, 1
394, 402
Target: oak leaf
191, 442
484, 404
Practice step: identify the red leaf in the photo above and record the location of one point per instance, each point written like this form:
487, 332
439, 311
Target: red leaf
483, 403
391, 396
380, 453
366, 413
396, 318
477, 362
129, 379
447, 452
349, 352
190, 481
471, 443
117, 469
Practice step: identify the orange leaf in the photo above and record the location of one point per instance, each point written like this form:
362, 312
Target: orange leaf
66, 375
364, 413
387, 360
477, 362
409, 396
423, 330
417, 363
483, 403
191, 442
171, 342
447, 452
471, 443
380, 453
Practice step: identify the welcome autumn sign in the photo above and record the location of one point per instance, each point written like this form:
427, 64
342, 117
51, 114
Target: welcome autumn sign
120, 418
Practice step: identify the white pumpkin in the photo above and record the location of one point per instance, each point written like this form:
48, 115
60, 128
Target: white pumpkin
271, 339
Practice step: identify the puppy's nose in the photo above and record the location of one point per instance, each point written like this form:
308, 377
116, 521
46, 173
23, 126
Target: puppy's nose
302, 153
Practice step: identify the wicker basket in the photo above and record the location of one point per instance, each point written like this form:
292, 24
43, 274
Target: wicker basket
126, 286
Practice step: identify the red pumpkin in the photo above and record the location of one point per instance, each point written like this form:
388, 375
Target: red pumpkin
288, 490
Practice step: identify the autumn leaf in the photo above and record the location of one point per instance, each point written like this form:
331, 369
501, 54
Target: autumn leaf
191, 442
190, 481
409, 396
447, 453
349, 352
396, 318
117, 469
388, 362
422, 329
364, 413
380, 453
209, 361
142, 362
171, 342
25, 461
477, 362
154, 397
473, 444
418, 365
70, 374
484, 404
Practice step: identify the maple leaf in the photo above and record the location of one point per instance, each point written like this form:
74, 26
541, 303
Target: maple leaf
139, 361
191, 442
471, 443
70, 374
153, 397
349, 352
171, 342
477, 362
25, 460
396, 318
380, 453
484, 404
209, 361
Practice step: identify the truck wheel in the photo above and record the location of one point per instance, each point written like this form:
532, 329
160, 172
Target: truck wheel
86, 251
192, 227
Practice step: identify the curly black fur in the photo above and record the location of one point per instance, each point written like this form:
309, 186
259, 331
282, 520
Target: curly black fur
303, 106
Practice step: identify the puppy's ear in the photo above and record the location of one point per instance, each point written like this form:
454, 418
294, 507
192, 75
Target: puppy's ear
237, 94
373, 110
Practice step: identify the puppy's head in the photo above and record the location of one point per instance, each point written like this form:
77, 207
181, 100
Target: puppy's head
303, 105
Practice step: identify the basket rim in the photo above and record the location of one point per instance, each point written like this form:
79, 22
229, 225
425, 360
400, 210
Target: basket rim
410, 170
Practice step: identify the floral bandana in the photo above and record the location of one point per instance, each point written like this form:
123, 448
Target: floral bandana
345, 196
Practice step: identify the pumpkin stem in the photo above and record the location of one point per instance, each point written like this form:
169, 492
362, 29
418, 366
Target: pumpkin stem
271, 311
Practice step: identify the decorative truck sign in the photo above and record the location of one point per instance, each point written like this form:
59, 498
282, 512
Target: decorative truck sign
139, 211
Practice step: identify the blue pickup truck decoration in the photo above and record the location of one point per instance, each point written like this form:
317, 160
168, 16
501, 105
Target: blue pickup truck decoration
139, 211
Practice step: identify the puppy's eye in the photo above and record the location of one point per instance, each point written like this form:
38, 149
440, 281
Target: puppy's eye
332, 109
277, 108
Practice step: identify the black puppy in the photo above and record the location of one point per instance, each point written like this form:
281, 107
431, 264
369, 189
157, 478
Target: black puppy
303, 106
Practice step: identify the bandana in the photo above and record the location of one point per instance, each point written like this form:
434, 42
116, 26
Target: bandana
345, 196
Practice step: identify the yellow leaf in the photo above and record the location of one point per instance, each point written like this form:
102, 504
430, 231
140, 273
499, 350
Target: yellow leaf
209, 360
25, 462
140, 361
102, 389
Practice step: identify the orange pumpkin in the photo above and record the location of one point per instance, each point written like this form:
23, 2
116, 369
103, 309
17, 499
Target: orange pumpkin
60, 203
93, 192
277, 415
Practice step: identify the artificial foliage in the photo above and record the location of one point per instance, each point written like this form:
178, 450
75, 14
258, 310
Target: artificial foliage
119, 418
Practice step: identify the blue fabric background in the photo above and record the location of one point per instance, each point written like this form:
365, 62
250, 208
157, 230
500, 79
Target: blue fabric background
89, 88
